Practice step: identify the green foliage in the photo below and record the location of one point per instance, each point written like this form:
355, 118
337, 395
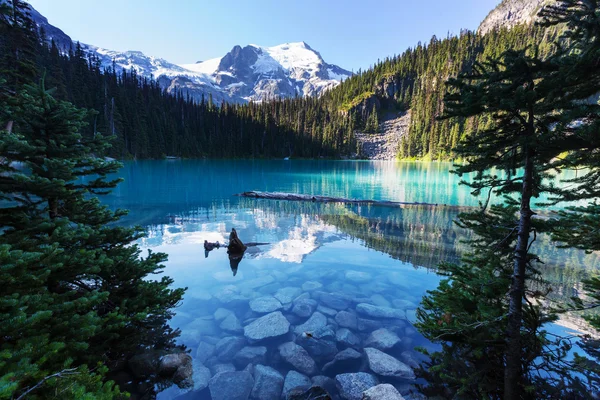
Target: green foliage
537, 110
75, 290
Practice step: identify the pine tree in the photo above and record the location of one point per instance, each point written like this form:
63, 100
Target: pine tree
81, 293
534, 103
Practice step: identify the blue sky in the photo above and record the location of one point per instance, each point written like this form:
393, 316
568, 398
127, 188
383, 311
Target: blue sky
352, 34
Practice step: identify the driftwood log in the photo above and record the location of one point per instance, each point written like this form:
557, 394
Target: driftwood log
327, 199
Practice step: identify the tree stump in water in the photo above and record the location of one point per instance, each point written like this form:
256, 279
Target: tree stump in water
236, 246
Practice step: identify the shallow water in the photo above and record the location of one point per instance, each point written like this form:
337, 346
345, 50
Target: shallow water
318, 255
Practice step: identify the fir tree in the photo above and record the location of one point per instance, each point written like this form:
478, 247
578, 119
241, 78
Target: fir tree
534, 106
81, 292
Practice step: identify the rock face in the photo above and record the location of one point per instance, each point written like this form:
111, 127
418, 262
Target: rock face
270, 326
510, 13
386, 365
352, 386
268, 383
382, 392
298, 358
231, 386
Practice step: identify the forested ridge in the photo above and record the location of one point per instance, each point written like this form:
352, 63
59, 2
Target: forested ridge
150, 123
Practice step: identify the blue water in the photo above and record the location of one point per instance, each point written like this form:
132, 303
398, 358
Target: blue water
366, 254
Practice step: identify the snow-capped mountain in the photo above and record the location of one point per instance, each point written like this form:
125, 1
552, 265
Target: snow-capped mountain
251, 73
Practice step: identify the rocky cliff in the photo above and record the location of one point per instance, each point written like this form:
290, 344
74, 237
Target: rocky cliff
510, 13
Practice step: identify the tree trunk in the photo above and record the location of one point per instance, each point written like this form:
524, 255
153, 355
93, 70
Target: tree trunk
513, 367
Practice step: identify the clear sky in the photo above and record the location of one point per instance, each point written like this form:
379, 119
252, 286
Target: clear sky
350, 33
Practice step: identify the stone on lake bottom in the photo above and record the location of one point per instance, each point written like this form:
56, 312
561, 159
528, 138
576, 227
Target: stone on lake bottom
346, 338
250, 355
316, 321
319, 343
288, 294
358, 276
268, 383
304, 307
267, 327
347, 360
309, 286
346, 319
227, 347
218, 368
382, 339
294, 380
385, 365
335, 301
201, 376
231, 324
379, 312
298, 358
231, 386
351, 386
312, 393
266, 304
204, 352
382, 392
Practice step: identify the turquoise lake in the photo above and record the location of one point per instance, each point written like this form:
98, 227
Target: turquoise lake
329, 271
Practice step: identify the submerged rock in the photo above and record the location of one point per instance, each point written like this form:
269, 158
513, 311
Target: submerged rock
379, 312
348, 360
316, 321
294, 380
312, 393
382, 392
288, 294
309, 286
227, 347
319, 343
268, 383
201, 376
231, 324
298, 358
267, 327
346, 338
250, 355
335, 301
231, 386
382, 339
266, 304
304, 307
346, 319
386, 365
351, 386
204, 352
218, 368
358, 276
325, 382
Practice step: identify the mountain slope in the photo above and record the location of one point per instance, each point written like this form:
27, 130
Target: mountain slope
510, 13
250, 73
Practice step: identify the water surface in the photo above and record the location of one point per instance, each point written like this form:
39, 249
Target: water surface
372, 255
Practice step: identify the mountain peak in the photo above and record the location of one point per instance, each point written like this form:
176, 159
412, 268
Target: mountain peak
249, 73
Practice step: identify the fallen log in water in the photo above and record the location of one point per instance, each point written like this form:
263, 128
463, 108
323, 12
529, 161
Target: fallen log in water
327, 199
